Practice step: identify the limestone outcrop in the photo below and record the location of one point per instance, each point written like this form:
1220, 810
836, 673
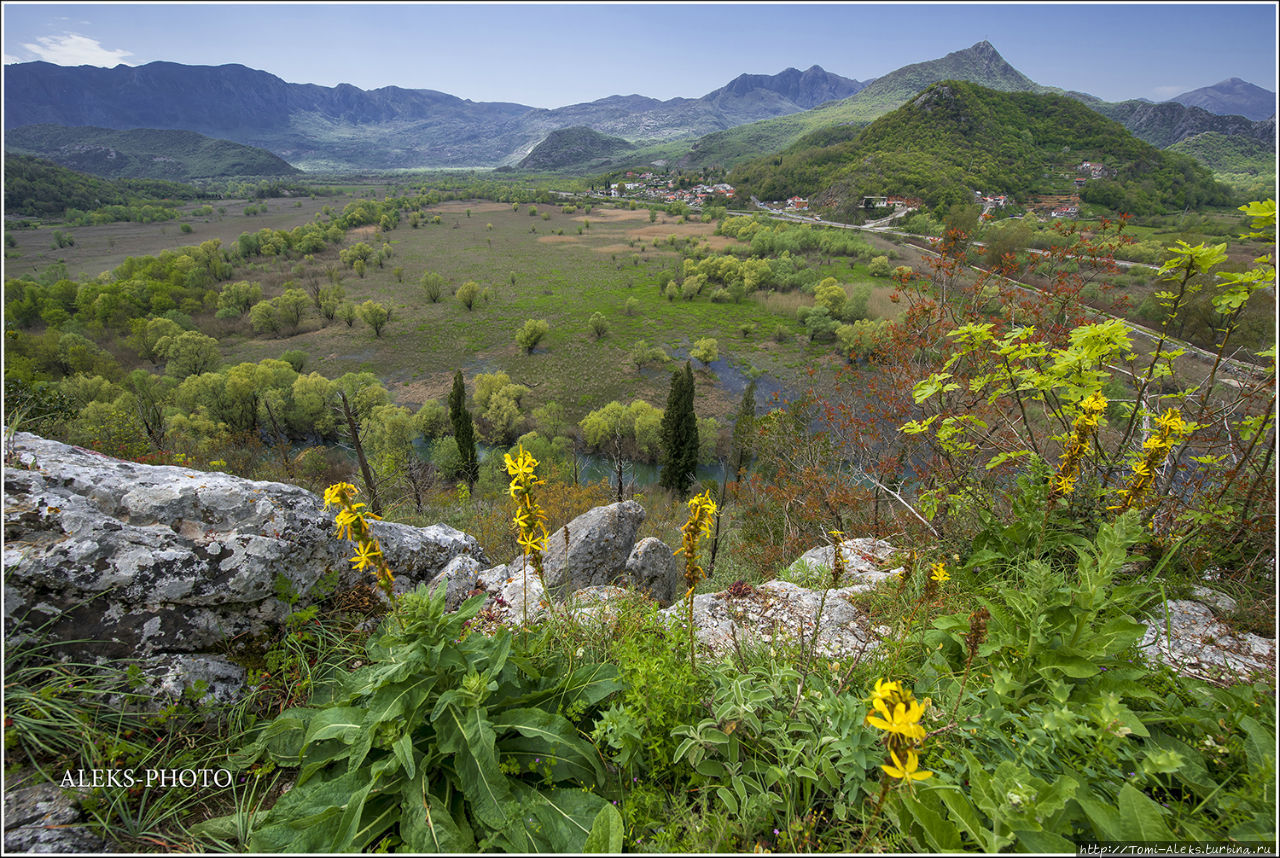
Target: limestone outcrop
174, 565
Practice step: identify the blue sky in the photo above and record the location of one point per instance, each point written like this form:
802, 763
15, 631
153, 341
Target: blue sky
550, 55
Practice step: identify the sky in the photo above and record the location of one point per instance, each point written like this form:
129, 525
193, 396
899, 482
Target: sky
555, 54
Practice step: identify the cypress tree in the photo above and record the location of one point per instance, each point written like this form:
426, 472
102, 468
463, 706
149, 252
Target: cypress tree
743, 431
679, 435
463, 431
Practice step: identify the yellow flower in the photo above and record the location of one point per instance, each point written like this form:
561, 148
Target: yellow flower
885, 689
906, 771
340, 494
367, 554
904, 719
940, 572
522, 465
344, 520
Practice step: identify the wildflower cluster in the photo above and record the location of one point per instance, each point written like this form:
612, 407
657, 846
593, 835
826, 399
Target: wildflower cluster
1170, 429
353, 523
899, 717
530, 519
702, 510
1064, 479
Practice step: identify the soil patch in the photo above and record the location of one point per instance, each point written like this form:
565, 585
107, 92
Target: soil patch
559, 239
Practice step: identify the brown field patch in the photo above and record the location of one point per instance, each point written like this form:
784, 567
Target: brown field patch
415, 393
615, 248
559, 239
476, 207
363, 231
601, 215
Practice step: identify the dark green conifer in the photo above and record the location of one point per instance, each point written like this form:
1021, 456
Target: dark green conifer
463, 431
679, 435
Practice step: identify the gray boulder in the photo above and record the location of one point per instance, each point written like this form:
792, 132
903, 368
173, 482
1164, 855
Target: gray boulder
651, 568
160, 562
40, 817
596, 550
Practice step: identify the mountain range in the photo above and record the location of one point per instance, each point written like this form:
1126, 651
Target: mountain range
317, 127
344, 127
1232, 96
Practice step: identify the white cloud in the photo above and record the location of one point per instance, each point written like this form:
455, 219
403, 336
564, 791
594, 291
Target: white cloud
73, 49
9, 58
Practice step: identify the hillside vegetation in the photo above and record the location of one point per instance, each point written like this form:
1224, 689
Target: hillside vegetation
956, 137
39, 188
573, 146
1238, 161
145, 153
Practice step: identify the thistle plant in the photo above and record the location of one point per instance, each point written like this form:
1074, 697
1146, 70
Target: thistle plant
702, 509
1170, 429
352, 523
530, 519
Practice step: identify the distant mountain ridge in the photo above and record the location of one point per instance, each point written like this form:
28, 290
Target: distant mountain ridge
1232, 97
144, 153
388, 127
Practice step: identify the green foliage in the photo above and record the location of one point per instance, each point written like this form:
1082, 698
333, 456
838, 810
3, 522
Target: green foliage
446, 741
531, 333
376, 315
463, 431
467, 293
39, 188
705, 350
679, 434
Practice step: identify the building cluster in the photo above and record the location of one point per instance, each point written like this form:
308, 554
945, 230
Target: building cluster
661, 188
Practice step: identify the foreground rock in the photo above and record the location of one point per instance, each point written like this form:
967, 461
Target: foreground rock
593, 550
174, 565
39, 817
1188, 638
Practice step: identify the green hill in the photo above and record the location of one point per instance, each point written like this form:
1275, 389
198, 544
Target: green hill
574, 147
957, 137
38, 188
980, 64
144, 153
1241, 162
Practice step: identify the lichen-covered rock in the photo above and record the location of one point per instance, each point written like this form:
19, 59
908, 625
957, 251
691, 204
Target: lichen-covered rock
1188, 638
39, 817
777, 613
159, 561
598, 545
651, 569
862, 561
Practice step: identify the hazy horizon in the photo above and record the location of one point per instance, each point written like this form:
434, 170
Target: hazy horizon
553, 55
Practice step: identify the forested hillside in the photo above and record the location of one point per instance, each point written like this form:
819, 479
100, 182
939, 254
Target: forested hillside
144, 153
957, 137
39, 188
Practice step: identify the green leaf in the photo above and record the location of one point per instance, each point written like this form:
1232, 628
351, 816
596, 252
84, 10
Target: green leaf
1106, 821
344, 723
1143, 818
728, 799
553, 738
558, 820
1077, 667
606, 832
403, 749
964, 813
470, 738
426, 824
221, 827
941, 834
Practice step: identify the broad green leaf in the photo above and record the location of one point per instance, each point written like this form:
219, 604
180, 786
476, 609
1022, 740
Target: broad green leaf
426, 824
728, 799
606, 832
557, 820
1143, 818
555, 734
469, 737
1106, 821
1077, 667
403, 749
941, 833
964, 813
340, 722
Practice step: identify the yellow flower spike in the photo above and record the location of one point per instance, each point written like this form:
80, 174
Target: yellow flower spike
906, 771
939, 572
886, 689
